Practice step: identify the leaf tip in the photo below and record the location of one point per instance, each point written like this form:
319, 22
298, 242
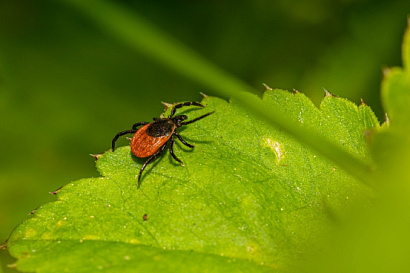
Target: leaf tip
267, 87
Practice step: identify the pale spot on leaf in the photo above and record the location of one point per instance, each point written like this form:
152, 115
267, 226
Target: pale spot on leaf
276, 147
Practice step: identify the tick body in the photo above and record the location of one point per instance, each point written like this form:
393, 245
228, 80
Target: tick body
145, 143
153, 137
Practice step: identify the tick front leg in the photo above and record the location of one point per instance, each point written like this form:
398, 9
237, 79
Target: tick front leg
171, 150
198, 118
148, 161
183, 141
121, 134
134, 127
174, 109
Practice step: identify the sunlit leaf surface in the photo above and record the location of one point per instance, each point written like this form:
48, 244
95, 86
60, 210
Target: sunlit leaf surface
249, 198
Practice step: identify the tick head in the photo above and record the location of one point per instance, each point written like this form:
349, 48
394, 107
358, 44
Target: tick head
178, 119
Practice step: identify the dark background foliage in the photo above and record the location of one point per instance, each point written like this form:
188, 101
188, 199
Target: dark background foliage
66, 87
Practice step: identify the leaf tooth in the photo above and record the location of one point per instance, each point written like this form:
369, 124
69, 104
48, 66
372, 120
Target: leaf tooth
33, 211
56, 191
167, 105
328, 94
387, 121
96, 156
386, 71
12, 266
204, 95
4, 245
362, 103
267, 87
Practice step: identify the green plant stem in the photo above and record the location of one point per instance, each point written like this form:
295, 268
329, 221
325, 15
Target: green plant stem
139, 34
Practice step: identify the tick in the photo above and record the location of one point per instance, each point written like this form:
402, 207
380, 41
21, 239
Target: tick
153, 137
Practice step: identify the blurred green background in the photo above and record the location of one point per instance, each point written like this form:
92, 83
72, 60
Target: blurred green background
66, 87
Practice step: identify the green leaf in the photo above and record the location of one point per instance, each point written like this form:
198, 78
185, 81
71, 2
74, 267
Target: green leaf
249, 199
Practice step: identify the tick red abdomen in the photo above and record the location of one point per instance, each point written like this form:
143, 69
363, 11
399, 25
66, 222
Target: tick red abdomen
144, 145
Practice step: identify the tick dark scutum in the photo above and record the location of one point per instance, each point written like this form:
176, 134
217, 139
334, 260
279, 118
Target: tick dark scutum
161, 127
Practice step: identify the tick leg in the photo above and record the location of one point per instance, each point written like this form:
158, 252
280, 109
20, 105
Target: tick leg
171, 151
134, 127
174, 109
121, 134
183, 141
148, 161
198, 118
